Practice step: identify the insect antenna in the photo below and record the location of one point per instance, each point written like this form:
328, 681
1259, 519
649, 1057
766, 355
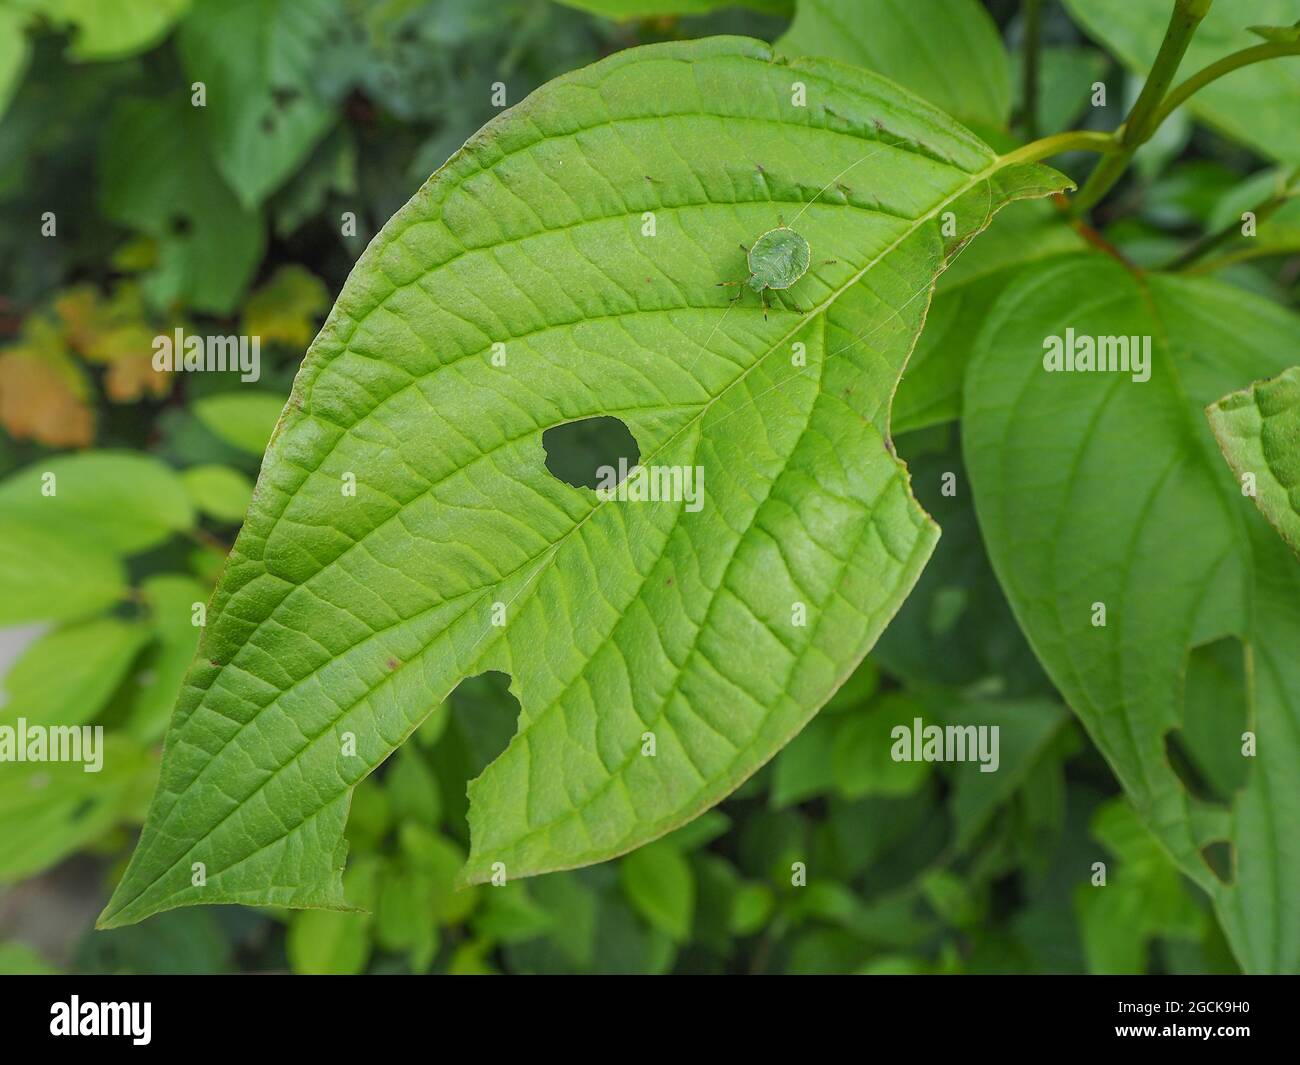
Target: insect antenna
835, 181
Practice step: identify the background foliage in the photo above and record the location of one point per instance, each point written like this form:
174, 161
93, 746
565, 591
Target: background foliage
233, 224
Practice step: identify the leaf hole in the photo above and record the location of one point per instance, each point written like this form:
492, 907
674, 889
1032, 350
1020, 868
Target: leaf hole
576, 451
1188, 769
1217, 854
1205, 752
484, 719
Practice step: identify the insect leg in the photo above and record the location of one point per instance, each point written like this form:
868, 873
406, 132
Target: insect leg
731, 284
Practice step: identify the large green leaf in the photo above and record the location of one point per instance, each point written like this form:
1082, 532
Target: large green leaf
1258, 429
343, 613
255, 58
947, 51
1256, 105
1095, 488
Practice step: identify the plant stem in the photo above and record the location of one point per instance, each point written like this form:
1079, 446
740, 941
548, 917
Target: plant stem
1211, 241
1231, 258
1029, 96
1139, 125
1075, 140
1093, 237
1216, 70
1082, 140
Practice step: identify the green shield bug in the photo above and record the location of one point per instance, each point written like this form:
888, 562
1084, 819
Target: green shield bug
777, 259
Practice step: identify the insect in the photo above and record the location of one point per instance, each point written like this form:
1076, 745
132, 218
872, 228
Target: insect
777, 259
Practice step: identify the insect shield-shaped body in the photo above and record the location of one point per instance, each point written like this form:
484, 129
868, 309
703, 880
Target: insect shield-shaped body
777, 260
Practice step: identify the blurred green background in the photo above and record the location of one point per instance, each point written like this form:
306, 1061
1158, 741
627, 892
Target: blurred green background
236, 220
